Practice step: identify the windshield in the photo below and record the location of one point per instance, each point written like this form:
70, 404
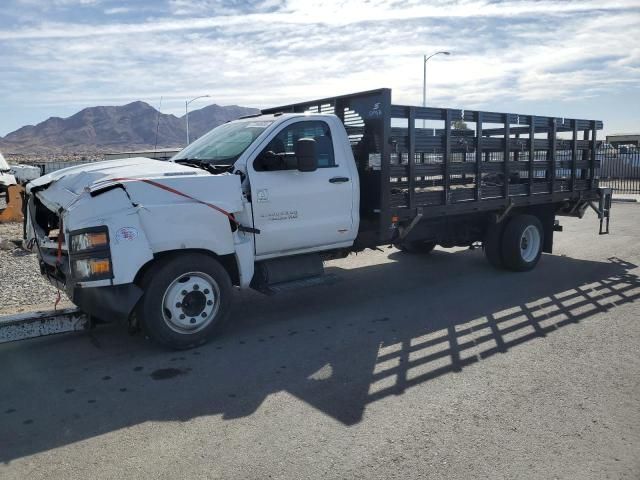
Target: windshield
224, 144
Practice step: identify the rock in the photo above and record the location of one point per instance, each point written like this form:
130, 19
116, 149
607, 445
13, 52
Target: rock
6, 244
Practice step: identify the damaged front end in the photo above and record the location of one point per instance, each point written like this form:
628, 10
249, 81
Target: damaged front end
96, 227
78, 263
44, 235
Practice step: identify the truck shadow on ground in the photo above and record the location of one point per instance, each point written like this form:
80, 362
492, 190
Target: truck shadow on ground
383, 329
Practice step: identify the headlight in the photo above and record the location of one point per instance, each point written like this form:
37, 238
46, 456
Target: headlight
92, 268
89, 254
89, 240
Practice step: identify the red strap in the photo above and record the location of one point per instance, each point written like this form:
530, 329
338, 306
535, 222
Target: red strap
177, 192
60, 237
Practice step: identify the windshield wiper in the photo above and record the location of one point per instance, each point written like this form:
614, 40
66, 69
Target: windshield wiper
187, 160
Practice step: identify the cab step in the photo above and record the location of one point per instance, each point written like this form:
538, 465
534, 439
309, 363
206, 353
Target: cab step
326, 279
290, 273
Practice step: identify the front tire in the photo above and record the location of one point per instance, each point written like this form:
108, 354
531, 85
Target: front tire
187, 300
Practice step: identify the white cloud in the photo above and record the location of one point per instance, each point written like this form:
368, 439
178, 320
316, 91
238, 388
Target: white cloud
117, 10
524, 51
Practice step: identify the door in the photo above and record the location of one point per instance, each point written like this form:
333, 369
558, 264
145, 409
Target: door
301, 210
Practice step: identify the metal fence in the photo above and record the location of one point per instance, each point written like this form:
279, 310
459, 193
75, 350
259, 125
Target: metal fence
620, 169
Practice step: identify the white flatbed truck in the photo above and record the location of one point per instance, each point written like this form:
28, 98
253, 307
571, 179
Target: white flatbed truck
262, 201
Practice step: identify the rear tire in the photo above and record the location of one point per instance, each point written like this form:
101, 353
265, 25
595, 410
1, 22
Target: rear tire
416, 246
522, 242
187, 300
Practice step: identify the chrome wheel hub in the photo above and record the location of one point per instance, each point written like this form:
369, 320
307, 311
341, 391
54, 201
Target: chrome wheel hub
530, 243
191, 302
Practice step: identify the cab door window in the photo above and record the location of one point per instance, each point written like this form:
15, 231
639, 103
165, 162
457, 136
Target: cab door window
279, 154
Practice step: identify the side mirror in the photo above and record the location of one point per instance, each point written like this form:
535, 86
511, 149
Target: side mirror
306, 155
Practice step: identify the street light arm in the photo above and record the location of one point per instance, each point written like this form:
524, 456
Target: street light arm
196, 98
434, 54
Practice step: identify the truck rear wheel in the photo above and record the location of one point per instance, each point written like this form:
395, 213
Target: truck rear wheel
187, 300
416, 246
522, 242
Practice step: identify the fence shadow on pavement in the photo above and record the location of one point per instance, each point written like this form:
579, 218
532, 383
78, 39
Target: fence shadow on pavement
383, 329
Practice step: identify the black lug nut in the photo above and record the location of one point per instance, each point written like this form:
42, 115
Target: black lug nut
203, 315
206, 291
193, 320
209, 302
182, 317
184, 292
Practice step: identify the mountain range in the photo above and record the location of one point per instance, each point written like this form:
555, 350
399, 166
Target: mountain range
117, 128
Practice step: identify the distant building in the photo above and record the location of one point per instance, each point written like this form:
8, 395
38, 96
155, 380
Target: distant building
626, 139
158, 154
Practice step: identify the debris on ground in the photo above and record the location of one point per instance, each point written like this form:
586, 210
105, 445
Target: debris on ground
22, 288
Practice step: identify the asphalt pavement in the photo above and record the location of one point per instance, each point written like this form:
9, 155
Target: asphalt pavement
433, 366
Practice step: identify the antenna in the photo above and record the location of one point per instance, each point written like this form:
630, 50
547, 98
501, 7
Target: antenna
155, 146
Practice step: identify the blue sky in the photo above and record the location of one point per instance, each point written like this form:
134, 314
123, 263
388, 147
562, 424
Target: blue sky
550, 57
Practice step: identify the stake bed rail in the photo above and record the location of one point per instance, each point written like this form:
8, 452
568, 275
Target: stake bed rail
442, 161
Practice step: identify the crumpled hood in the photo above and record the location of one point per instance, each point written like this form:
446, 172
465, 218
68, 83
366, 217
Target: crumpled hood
77, 178
64, 186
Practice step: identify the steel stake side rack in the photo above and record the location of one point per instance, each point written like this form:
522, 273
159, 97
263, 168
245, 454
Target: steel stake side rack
417, 163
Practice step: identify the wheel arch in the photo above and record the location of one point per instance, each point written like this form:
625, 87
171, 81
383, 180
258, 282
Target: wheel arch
547, 215
228, 262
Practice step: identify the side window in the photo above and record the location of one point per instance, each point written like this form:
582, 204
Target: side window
279, 154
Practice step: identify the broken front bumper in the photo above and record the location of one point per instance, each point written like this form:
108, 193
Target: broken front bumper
100, 298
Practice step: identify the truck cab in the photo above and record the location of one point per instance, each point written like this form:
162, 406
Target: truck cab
252, 190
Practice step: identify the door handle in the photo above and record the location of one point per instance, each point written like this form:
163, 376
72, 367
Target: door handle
339, 179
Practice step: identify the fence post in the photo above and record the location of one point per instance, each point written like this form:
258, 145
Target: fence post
479, 156
412, 156
593, 159
532, 152
507, 149
552, 134
447, 154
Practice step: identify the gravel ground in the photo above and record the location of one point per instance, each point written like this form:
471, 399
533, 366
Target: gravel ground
23, 288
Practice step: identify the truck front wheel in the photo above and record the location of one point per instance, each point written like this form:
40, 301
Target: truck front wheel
187, 300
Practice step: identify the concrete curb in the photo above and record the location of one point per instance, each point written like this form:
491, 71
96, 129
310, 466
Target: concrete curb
41, 323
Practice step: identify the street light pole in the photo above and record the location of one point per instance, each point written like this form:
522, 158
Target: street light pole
186, 112
424, 78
